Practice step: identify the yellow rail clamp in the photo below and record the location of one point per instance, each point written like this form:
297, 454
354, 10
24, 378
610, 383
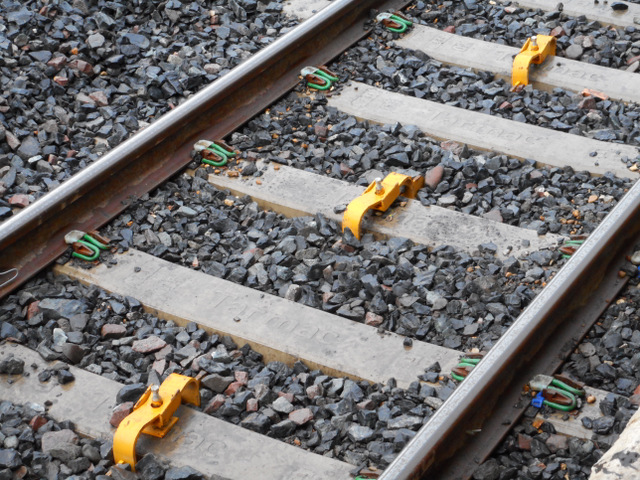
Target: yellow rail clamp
379, 196
535, 50
153, 414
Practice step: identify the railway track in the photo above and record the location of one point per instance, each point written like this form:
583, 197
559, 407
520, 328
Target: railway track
327, 336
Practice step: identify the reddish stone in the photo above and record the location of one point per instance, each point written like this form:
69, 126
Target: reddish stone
160, 366
469, 186
637, 390
252, 405
326, 296
62, 81
163, 352
57, 62
504, 105
81, 66
633, 59
233, 388
195, 365
287, 396
20, 473
112, 330
433, 176
450, 29
635, 399
314, 391
524, 442
557, 32
100, 98
19, 200
343, 246
344, 169
120, 413
367, 404
452, 146
12, 140
148, 345
373, 319
589, 92
327, 273
32, 309
587, 103
301, 416
241, 377
37, 422
320, 130
215, 403
557, 442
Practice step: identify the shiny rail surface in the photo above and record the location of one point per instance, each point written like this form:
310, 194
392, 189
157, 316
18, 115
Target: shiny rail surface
485, 405
541, 338
34, 238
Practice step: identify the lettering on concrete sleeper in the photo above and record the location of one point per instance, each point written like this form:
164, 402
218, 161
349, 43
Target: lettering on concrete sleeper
450, 119
248, 307
33, 387
195, 442
293, 327
364, 99
561, 68
480, 127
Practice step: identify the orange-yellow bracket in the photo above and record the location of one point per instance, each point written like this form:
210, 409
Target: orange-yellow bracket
379, 196
153, 414
535, 50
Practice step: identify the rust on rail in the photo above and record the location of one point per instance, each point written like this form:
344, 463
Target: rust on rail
34, 238
488, 403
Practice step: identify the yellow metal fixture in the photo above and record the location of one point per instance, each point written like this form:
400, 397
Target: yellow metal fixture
153, 414
379, 196
535, 50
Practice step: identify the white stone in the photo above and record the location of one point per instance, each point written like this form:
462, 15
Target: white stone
622, 460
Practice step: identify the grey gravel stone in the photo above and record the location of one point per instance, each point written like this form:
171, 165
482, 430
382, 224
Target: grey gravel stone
574, 51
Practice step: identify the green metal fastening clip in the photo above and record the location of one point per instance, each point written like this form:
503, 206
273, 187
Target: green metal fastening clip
215, 153
86, 246
394, 22
558, 392
570, 246
366, 474
320, 78
464, 367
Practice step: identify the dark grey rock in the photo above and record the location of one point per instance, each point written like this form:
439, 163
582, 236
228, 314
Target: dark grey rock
12, 366
9, 458
183, 473
131, 393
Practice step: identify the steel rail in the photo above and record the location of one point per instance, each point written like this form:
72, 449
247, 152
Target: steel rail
32, 239
551, 325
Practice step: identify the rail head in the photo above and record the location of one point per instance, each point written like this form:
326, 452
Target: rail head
33, 238
471, 404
